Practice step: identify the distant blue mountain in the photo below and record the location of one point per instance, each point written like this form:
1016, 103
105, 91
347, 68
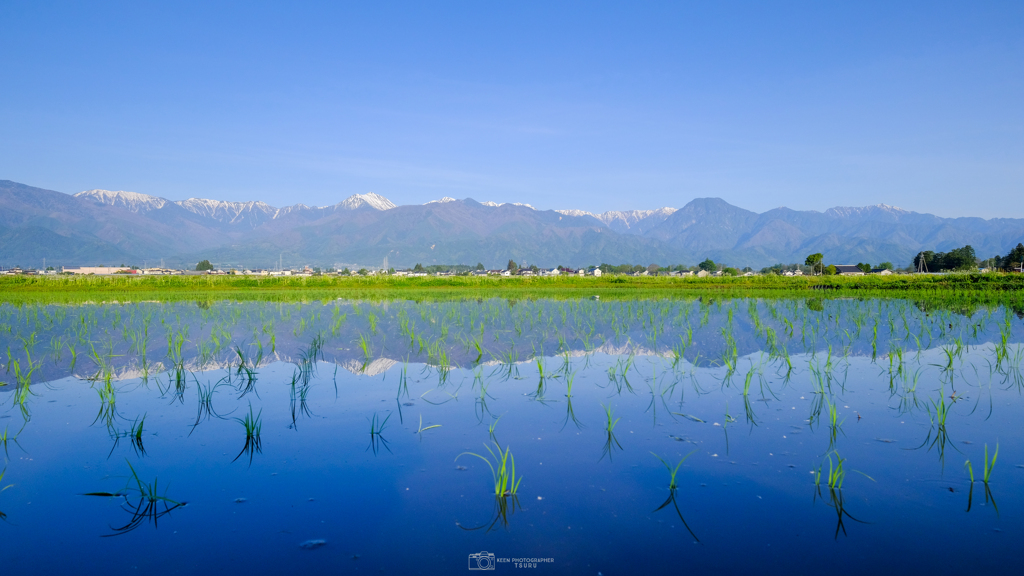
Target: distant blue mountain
103, 227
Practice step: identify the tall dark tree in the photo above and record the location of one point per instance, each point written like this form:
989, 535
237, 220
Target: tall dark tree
1014, 258
512, 266
204, 266
708, 265
815, 261
957, 259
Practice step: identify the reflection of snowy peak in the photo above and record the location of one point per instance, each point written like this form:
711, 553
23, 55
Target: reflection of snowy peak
374, 368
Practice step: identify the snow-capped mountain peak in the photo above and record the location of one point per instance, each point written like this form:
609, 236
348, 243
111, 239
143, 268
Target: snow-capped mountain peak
495, 204
375, 201
444, 200
576, 213
878, 209
229, 212
132, 201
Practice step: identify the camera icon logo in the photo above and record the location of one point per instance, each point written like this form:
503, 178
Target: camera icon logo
481, 561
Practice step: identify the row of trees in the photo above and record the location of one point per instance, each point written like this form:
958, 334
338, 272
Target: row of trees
956, 259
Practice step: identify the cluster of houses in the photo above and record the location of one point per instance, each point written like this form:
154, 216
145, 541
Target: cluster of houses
845, 270
593, 271
128, 271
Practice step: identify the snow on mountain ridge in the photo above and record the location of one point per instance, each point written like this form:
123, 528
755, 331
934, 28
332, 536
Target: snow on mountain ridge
493, 204
253, 211
576, 213
375, 201
132, 201
229, 212
848, 211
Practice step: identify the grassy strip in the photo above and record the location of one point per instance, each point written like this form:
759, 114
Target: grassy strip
965, 288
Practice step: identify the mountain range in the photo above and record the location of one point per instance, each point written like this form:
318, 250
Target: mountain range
114, 227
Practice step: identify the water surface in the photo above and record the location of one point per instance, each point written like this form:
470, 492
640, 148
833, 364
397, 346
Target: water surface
761, 398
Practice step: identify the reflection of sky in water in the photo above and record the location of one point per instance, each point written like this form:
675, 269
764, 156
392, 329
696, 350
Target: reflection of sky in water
407, 508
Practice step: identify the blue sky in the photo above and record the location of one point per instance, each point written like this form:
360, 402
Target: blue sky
590, 105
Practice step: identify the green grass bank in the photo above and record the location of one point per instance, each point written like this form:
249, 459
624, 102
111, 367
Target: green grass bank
989, 288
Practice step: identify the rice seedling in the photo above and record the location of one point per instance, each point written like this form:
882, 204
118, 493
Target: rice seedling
611, 441
142, 500
423, 429
834, 482
503, 471
248, 370
253, 424
136, 436
376, 430
2, 488
988, 465
490, 429
204, 404
6, 438
834, 424
570, 415
672, 489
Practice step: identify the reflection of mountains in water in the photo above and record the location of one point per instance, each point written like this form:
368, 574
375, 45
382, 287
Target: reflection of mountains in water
134, 370
369, 338
355, 365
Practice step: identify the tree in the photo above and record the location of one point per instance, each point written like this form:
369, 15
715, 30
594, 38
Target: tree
653, 269
962, 258
708, 265
479, 266
830, 270
346, 271
885, 266
815, 262
362, 272
864, 267
418, 267
1014, 258
957, 259
204, 266
512, 266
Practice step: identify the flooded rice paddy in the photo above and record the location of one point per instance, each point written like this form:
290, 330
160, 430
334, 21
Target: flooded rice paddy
568, 437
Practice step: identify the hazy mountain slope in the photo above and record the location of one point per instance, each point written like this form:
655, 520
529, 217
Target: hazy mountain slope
454, 231
108, 231
106, 226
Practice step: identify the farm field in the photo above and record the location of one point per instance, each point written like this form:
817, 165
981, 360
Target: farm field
670, 424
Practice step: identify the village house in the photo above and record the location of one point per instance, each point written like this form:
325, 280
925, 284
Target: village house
848, 270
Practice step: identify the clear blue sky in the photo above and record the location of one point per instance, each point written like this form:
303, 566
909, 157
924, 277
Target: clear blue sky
590, 105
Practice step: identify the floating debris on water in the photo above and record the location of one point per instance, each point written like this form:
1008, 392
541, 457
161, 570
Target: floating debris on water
312, 544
